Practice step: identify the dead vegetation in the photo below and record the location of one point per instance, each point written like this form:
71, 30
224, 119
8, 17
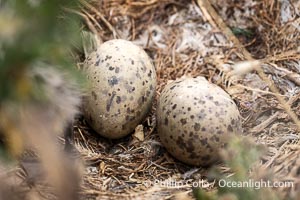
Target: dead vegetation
200, 38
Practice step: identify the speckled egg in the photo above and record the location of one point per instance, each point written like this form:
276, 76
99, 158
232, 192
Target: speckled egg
194, 120
122, 83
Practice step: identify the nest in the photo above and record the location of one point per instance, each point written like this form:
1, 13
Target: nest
199, 38
195, 38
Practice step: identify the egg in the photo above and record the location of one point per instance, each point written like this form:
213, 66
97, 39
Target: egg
122, 82
195, 119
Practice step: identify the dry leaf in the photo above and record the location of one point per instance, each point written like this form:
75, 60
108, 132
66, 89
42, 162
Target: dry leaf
139, 133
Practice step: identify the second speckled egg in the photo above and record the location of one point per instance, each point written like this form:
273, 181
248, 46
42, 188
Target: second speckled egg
194, 120
122, 82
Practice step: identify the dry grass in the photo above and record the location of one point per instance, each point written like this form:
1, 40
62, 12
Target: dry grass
185, 39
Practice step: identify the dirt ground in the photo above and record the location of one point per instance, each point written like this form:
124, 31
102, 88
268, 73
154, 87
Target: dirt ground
201, 38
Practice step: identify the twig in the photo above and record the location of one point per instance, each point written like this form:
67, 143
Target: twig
157, 165
260, 127
92, 18
87, 20
292, 76
258, 90
216, 20
148, 3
